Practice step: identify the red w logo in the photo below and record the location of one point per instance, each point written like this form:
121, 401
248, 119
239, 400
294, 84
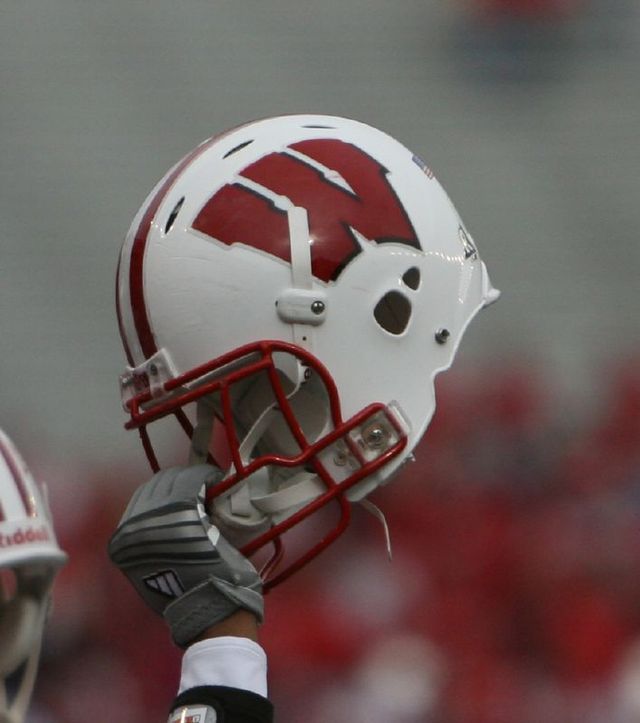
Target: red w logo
344, 189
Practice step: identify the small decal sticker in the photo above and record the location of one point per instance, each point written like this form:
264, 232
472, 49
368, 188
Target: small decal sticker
423, 166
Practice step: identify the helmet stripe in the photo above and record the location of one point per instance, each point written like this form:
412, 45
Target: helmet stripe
136, 267
14, 468
121, 326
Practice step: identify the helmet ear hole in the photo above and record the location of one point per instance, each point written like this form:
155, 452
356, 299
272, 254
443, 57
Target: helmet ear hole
393, 312
411, 278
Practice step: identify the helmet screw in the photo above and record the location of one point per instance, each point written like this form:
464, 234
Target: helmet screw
317, 307
375, 437
340, 458
153, 369
442, 336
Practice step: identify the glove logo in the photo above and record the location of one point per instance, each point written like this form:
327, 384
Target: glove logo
191, 715
166, 583
341, 187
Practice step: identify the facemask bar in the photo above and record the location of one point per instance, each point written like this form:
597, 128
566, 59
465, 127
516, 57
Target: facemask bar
149, 404
23, 631
16, 711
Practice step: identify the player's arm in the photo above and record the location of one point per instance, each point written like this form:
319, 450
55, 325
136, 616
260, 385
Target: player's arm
209, 594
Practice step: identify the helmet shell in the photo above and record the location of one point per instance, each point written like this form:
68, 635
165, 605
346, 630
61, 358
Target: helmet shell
26, 531
208, 257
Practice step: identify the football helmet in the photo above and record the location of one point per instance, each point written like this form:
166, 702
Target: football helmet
29, 560
289, 290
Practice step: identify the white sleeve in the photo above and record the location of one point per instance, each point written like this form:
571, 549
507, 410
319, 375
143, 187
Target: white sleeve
229, 661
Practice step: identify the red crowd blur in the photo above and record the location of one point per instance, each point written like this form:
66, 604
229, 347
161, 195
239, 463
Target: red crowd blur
512, 596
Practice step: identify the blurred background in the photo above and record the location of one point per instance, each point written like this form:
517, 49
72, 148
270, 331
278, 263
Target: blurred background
513, 594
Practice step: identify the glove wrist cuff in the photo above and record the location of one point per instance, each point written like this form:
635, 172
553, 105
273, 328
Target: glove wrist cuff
206, 604
195, 611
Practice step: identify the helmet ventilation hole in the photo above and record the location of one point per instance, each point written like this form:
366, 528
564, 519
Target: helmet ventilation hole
411, 278
393, 312
173, 215
237, 148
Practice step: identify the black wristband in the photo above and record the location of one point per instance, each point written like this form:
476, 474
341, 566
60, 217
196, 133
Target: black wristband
232, 705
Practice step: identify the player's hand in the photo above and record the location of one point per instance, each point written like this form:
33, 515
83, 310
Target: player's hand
177, 560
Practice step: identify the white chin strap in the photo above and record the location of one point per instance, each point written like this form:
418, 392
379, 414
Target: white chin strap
282, 504
21, 628
301, 489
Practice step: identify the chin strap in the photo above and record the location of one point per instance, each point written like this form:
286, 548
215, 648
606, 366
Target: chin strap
301, 489
379, 515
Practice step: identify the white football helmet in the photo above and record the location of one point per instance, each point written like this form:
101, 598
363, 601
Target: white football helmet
289, 290
29, 560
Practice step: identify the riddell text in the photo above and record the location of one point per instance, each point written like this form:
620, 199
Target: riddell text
26, 536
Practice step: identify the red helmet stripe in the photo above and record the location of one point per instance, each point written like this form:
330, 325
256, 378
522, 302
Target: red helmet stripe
123, 336
27, 499
136, 267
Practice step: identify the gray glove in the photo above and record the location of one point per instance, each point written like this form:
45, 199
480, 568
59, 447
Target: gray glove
177, 560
